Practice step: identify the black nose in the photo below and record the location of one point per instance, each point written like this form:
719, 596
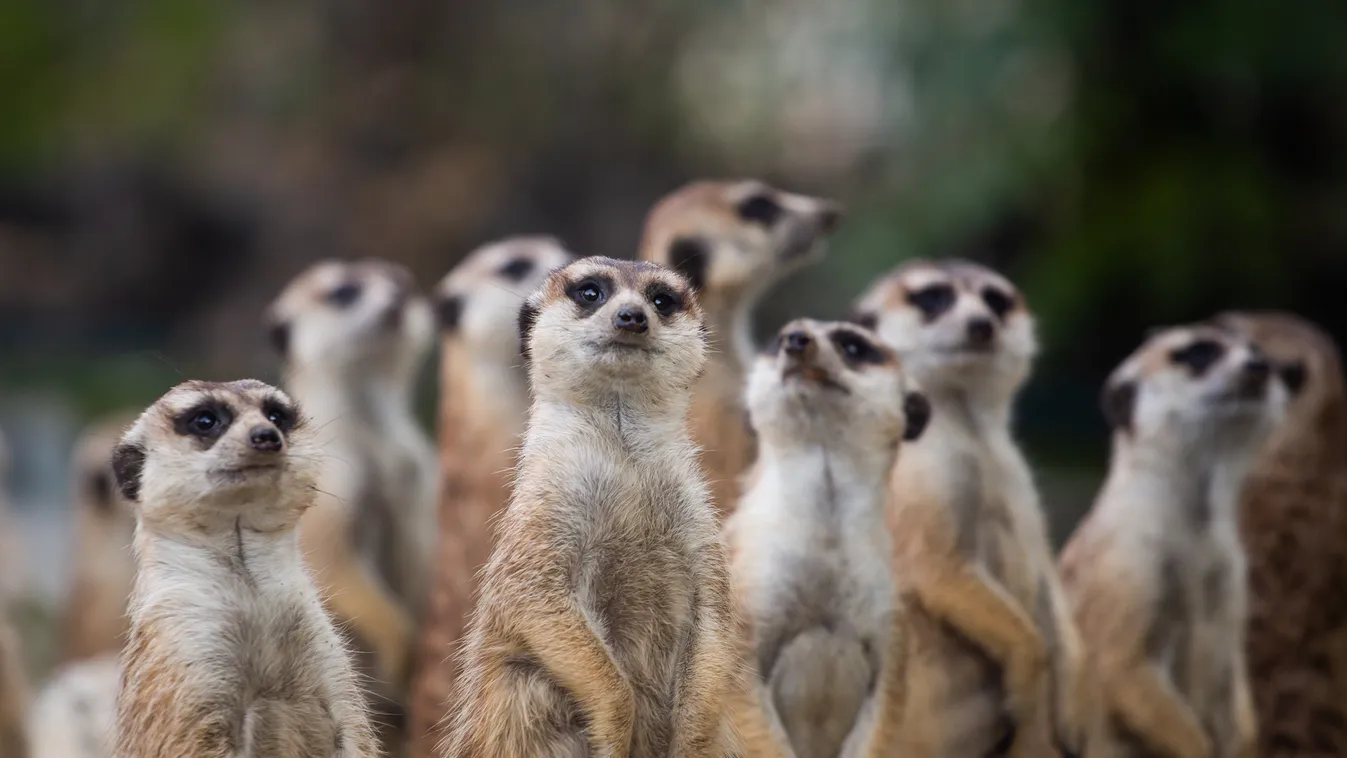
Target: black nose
630, 319
1258, 367
795, 343
981, 330
265, 438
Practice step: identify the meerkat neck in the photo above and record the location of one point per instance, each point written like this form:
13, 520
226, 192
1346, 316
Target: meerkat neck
977, 415
848, 479
240, 548
1189, 486
635, 421
327, 396
482, 391
729, 322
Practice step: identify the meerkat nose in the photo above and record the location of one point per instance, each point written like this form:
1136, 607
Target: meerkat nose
829, 217
796, 343
1258, 367
981, 330
264, 438
630, 319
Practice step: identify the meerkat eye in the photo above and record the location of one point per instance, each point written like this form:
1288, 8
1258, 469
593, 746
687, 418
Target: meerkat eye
278, 414
933, 299
516, 269
998, 301
759, 209
344, 296
855, 348
204, 421
665, 302
588, 293
1198, 356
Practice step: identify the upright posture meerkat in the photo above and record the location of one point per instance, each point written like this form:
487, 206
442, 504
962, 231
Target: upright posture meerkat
1294, 527
811, 558
483, 404
604, 624
733, 240
95, 622
995, 660
353, 335
1156, 572
230, 651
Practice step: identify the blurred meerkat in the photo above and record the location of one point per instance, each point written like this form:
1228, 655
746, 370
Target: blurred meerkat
353, 335
811, 558
13, 694
230, 651
1156, 572
995, 661
734, 240
604, 625
13, 572
484, 402
1293, 518
75, 713
95, 620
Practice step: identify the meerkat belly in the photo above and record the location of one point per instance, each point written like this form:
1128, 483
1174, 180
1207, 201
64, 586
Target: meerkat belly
957, 703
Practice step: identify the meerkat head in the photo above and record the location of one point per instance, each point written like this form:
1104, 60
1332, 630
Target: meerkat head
828, 382
352, 316
95, 483
605, 325
478, 302
955, 324
733, 239
1306, 360
1204, 385
212, 454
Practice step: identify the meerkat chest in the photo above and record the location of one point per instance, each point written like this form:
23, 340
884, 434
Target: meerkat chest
1200, 614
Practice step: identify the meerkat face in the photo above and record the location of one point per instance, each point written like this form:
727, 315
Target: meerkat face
1305, 359
1200, 382
955, 324
347, 316
207, 450
478, 302
734, 237
613, 325
821, 382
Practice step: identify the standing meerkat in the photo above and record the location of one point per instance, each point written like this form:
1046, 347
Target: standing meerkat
95, 621
1293, 518
353, 335
811, 558
483, 405
734, 240
230, 652
995, 660
604, 623
1156, 572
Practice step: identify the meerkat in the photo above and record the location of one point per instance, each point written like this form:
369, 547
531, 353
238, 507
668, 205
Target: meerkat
483, 405
734, 240
1293, 518
74, 715
230, 651
95, 621
13, 694
604, 624
1156, 572
811, 559
353, 335
995, 662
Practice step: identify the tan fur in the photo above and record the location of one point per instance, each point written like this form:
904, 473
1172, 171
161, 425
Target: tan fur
13, 695
1156, 572
230, 651
370, 536
95, 621
1294, 528
483, 406
811, 559
604, 625
737, 260
74, 716
993, 655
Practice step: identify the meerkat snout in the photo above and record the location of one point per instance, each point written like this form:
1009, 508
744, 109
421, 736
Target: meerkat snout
265, 439
631, 318
796, 343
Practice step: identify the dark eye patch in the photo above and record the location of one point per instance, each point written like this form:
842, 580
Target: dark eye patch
856, 349
590, 293
344, 295
999, 301
1198, 356
1294, 375
932, 300
759, 209
283, 416
516, 269
207, 421
665, 301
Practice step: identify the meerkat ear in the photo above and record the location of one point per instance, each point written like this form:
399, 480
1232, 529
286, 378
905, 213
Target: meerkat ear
128, 463
690, 256
917, 411
278, 335
1119, 403
448, 311
528, 316
99, 485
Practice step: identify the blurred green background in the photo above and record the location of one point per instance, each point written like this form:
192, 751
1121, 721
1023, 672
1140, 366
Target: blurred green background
167, 165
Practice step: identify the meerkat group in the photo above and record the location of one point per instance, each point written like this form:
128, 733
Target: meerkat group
645, 535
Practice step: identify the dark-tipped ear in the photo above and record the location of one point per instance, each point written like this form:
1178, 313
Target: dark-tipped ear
128, 463
1119, 404
690, 256
862, 318
278, 334
448, 311
1293, 374
917, 410
528, 316
99, 486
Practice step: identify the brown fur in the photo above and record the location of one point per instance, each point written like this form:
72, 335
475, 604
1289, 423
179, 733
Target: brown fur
604, 625
740, 259
1294, 527
13, 695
